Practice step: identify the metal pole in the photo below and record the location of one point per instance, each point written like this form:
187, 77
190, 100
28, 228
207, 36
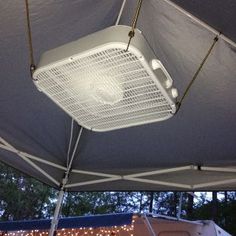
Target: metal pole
54, 221
29, 162
206, 26
180, 206
32, 157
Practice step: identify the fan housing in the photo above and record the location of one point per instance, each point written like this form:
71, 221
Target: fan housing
105, 87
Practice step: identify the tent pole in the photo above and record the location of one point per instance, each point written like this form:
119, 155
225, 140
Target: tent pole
55, 219
180, 206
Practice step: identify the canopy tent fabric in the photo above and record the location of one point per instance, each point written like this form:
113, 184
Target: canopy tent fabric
193, 150
107, 220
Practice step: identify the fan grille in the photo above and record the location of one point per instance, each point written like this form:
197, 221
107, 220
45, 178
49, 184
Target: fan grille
106, 89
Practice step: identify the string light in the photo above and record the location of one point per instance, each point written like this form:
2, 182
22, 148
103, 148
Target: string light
82, 231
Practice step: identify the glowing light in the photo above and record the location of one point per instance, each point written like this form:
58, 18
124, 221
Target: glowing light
98, 231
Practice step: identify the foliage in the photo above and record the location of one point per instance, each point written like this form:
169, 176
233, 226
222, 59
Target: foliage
21, 197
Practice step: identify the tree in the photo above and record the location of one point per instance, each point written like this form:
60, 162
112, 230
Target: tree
87, 203
190, 206
214, 215
22, 197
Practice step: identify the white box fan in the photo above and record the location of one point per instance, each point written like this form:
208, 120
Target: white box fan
104, 87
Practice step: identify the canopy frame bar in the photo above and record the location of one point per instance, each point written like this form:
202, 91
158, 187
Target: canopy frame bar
202, 23
157, 182
161, 171
215, 183
94, 173
26, 159
94, 182
32, 157
137, 177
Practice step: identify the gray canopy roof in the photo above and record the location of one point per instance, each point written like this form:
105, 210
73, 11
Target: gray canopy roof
196, 149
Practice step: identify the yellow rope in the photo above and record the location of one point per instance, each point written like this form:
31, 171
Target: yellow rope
134, 23
179, 103
30, 44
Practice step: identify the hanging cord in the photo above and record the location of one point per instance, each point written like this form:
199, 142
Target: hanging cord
134, 23
31, 52
179, 103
